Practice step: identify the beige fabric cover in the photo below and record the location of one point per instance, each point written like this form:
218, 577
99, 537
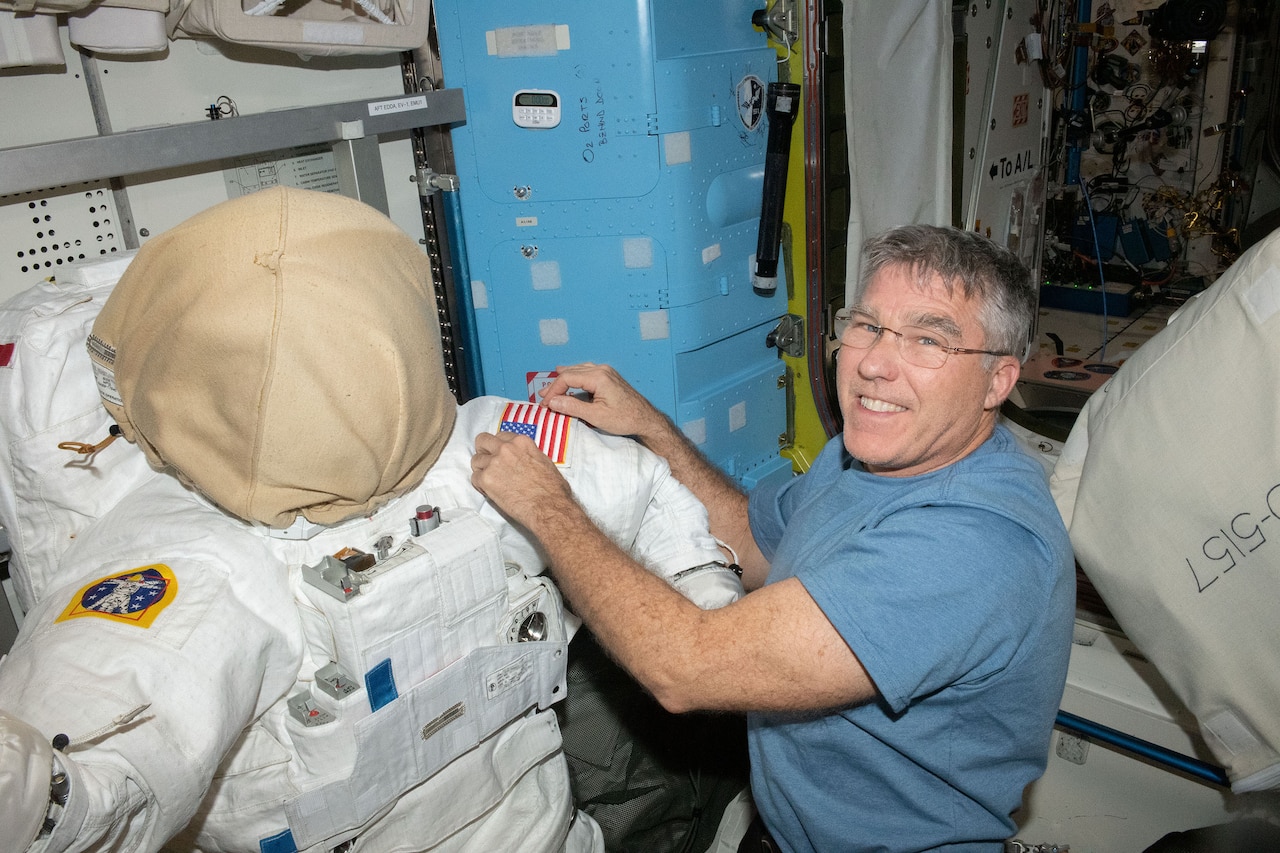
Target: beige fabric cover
1170, 487
28, 40
111, 27
57, 6
310, 27
281, 352
118, 31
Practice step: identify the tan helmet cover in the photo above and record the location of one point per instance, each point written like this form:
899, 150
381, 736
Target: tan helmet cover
281, 352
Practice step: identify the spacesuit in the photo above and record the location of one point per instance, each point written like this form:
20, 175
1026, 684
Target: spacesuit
309, 632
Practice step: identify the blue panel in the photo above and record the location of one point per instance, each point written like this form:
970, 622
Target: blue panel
573, 300
281, 843
705, 26
604, 78
1102, 228
380, 683
1133, 241
1157, 240
733, 197
773, 475
626, 233
738, 398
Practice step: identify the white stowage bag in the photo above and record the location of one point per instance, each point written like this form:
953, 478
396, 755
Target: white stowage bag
108, 27
1170, 487
309, 28
28, 41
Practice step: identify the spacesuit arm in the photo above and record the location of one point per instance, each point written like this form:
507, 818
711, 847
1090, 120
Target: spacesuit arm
674, 539
26, 771
630, 493
617, 408
149, 700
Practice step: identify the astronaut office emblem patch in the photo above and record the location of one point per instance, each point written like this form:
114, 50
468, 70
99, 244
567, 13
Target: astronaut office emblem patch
750, 95
135, 597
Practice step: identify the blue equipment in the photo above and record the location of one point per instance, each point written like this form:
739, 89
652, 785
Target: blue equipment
611, 171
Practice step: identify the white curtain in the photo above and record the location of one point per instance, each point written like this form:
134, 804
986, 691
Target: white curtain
898, 106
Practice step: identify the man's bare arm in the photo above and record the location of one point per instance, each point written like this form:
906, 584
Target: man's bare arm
772, 650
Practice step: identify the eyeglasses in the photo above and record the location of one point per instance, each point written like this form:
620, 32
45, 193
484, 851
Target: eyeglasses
921, 347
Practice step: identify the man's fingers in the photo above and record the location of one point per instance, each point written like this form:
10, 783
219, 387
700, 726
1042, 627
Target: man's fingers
569, 405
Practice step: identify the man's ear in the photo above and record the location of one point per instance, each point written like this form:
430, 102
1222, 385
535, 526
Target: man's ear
1003, 377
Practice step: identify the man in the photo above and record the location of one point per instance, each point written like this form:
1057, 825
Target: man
273, 642
903, 645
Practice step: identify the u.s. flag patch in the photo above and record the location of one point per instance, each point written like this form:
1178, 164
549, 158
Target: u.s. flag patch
549, 430
135, 597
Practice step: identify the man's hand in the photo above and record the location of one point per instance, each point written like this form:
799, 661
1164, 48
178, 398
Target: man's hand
615, 407
518, 478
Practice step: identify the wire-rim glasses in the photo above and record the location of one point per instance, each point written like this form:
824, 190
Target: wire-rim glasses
919, 346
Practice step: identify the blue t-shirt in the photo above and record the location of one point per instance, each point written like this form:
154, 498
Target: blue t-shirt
956, 591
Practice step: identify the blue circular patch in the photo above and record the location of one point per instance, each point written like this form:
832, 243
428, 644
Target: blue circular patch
131, 592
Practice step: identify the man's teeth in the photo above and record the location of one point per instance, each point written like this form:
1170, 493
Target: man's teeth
881, 405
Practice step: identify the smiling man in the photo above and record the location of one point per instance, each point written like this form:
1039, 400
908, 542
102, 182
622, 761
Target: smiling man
903, 647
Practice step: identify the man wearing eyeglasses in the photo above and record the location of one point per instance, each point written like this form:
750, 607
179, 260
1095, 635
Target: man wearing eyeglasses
903, 647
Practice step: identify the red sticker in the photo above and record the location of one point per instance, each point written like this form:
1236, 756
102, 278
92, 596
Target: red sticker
538, 381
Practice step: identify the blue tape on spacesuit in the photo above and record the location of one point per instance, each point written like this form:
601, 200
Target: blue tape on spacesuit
380, 682
281, 843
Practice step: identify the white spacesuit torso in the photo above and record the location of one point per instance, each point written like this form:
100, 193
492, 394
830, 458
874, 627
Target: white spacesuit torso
413, 714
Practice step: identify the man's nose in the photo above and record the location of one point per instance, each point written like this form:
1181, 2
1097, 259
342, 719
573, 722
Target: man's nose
882, 357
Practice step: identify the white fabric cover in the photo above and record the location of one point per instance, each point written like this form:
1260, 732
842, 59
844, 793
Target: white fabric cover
187, 715
897, 60
118, 31
310, 28
29, 40
59, 6
48, 7
1170, 487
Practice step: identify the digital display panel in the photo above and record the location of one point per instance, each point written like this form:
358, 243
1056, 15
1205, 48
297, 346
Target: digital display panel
535, 99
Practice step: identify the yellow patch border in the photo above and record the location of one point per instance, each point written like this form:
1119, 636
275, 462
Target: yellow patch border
556, 451
142, 618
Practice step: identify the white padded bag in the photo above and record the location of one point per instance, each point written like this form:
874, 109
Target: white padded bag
49, 396
1170, 487
308, 28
